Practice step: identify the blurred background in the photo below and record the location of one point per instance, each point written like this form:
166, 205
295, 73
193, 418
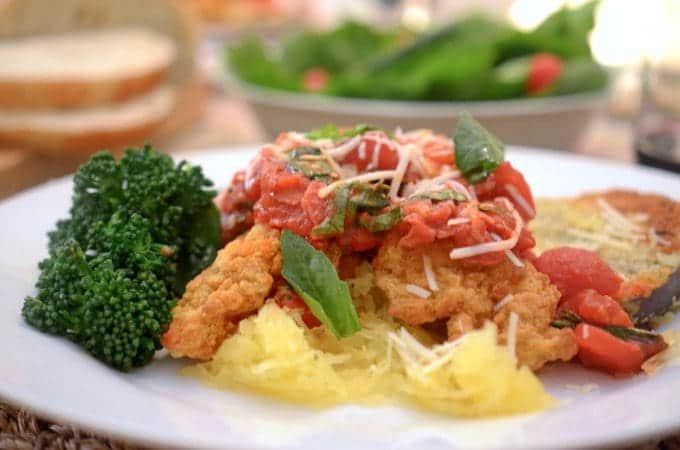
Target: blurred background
593, 77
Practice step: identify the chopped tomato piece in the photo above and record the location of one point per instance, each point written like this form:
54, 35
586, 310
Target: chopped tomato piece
544, 70
597, 309
363, 156
510, 183
315, 79
358, 239
287, 299
574, 269
599, 349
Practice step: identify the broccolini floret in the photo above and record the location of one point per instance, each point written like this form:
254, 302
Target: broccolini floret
138, 230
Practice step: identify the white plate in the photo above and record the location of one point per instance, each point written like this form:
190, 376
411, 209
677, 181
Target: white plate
157, 407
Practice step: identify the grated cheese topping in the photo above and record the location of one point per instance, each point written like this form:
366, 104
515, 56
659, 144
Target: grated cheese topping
509, 253
513, 322
429, 273
504, 301
417, 291
520, 200
345, 148
369, 176
400, 171
458, 221
488, 247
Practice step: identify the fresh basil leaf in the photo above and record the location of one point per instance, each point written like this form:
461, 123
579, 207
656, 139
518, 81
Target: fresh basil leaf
369, 198
311, 274
632, 334
317, 170
335, 223
381, 222
478, 152
566, 319
439, 196
332, 132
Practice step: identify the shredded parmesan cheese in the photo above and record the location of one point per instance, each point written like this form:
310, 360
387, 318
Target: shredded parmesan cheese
513, 321
417, 291
429, 273
331, 162
520, 200
458, 221
370, 176
400, 171
615, 217
504, 301
488, 247
511, 256
345, 148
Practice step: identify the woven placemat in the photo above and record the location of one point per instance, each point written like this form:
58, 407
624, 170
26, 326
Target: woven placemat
21, 430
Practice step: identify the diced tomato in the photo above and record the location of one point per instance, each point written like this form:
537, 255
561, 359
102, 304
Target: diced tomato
371, 142
290, 300
315, 79
599, 349
544, 70
439, 149
574, 269
597, 309
358, 239
510, 183
425, 221
288, 199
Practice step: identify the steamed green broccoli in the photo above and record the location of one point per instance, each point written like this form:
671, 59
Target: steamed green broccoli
138, 230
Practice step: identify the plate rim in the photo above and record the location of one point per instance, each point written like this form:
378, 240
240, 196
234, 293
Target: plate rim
52, 411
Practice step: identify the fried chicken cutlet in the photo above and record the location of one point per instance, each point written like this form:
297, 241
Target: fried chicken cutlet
235, 285
468, 296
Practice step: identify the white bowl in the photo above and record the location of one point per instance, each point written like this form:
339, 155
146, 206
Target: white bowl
552, 122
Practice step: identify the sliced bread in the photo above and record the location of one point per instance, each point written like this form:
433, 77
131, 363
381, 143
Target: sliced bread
83, 68
88, 129
25, 18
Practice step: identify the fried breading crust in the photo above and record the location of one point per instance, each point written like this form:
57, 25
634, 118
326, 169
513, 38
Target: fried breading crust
235, 285
663, 212
467, 295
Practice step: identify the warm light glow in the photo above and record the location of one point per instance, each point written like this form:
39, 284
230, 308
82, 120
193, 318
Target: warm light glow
415, 17
528, 14
627, 31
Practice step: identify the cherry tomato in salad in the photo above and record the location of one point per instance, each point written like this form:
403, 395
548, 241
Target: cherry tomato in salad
315, 79
597, 309
510, 183
363, 158
574, 269
544, 70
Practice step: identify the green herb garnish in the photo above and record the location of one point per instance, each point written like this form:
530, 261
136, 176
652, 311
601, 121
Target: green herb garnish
316, 169
313, 277
381, 222
568, 319
335, 223
369, 198
332, 132
439, 196
478, 152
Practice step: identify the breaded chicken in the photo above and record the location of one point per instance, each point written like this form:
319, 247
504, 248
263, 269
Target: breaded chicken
646, 256
235, 285
466, 298
663, 213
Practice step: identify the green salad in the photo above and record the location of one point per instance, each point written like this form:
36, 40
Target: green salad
475, 58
